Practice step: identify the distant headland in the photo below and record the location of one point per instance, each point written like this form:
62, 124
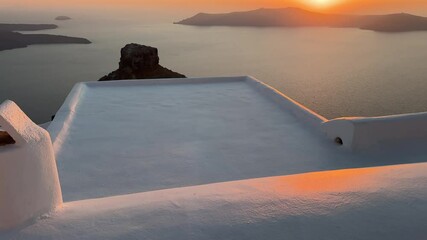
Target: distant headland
296, 17
10, 39
26, 27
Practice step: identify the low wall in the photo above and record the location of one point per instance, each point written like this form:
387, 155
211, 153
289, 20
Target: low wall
29, 183
300, 111
365, 133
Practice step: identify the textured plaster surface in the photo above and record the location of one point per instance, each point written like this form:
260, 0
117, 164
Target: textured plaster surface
29, 184
129, 137
216, 159
373, 203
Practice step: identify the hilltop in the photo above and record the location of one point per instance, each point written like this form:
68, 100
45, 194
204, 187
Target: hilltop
296, 17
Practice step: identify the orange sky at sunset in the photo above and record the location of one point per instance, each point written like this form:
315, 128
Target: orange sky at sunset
347, 6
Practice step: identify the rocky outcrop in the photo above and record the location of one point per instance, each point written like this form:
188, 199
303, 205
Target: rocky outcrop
62, 18
140, 62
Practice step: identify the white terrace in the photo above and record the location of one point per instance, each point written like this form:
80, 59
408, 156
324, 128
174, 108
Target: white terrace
217, 158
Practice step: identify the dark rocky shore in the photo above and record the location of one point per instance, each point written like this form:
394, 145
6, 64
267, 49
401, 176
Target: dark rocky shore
26, 27
140, 62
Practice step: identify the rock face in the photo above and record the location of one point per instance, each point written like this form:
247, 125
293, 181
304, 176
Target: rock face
140, 62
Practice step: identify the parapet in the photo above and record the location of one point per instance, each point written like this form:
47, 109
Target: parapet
29, 183
361, 133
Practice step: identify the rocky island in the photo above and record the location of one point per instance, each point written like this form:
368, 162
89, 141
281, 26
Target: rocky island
296, 17
10, 39
140, 62
62, 18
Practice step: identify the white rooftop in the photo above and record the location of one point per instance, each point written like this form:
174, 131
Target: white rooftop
216, 158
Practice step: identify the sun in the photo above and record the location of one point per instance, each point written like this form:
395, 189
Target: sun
322, 3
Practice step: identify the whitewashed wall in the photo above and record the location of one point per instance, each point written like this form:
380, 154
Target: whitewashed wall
29, 184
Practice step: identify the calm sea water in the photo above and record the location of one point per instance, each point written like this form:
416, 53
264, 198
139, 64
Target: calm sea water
335, 72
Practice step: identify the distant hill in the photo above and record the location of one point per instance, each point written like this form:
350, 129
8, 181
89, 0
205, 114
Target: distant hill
9, 39
296, 17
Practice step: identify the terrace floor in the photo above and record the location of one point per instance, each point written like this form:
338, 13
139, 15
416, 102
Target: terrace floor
130, 137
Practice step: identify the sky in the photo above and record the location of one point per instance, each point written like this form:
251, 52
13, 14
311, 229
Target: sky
344, 6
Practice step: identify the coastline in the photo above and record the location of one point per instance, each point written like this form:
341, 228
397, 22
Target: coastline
11, 39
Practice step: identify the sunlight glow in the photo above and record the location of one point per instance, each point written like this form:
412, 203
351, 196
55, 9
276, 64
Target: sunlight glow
322, 3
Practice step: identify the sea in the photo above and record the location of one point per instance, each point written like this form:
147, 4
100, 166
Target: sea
336, 72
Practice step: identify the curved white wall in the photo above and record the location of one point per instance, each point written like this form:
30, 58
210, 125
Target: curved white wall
29, 183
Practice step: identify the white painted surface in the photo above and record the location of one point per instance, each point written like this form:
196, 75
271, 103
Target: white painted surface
367, 133
45, 125
163, 134
171, 133
29, 184
159, 140
375, 203
287, 104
